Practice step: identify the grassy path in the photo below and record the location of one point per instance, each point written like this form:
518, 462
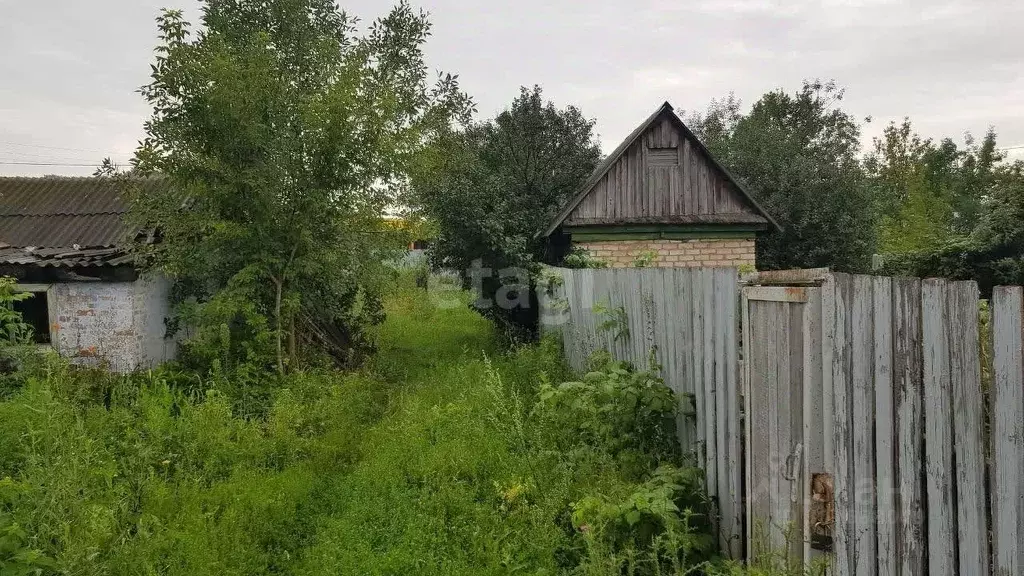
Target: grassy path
429, 494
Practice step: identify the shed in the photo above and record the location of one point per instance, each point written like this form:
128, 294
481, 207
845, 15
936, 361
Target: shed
662, 197
65, 240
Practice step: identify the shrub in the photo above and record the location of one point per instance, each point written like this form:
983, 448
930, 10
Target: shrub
629, 414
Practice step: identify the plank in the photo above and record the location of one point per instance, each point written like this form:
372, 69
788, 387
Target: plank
793, 458
689, 206
683, 307
885, 462
863, 397
813, 421
843, 534
710, 394
721, 414
827, 313
764, 439
748, 358
722, 293
968, 427
697, 356
692, 310
1008, 431
735, 433
938, 431
700, 202
777, 450
907, 384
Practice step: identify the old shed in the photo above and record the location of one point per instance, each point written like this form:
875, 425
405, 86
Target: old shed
662, 197
65, 241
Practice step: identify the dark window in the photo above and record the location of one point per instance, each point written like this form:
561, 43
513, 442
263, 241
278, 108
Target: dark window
35, 311
421, 245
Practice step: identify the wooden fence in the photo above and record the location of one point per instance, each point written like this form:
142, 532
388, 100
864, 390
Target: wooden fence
919, 430
885, 416
688, 318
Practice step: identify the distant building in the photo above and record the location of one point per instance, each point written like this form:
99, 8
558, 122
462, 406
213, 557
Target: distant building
662, 197
64, 240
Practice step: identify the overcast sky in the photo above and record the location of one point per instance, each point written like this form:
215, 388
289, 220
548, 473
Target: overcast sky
70, 68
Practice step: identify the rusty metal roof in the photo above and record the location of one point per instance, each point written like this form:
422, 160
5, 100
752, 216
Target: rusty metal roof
63, 221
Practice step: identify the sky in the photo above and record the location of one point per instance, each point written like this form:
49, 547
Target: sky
71, 69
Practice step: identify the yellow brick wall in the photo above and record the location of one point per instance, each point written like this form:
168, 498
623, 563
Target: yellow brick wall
673, 253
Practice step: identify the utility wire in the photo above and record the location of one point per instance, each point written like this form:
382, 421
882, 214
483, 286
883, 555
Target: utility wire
93, 165
52, 147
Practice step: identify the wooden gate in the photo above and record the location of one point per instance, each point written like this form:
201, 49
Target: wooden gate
783, 428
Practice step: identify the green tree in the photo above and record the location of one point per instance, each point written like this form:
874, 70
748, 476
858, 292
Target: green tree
492, 186
285, 133
927, 193
799, 153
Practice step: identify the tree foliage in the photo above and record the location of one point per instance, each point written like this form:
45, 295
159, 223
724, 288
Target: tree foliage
992, 253
799, 154
285, 133
928, 193
491, 187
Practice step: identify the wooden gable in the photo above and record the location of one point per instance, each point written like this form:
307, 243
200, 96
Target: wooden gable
661, 174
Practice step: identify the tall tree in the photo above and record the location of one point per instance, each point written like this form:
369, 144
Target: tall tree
492, 186
799, 153
285, 133
927, 192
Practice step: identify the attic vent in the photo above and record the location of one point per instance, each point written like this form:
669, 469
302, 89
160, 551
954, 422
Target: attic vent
663, 156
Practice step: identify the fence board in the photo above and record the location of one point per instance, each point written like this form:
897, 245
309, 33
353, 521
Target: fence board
796, 458
910, 536
1007, 431
968, 426
731, 407
938, 437
843, 534
708, 359
885, 473
863, 398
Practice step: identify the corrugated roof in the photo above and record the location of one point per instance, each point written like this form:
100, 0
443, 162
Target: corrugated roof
63, 221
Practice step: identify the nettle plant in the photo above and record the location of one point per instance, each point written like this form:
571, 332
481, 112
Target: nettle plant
662, 527
628, 413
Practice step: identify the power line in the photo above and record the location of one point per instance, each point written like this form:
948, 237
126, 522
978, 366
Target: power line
17, 155
94, 165
52, 147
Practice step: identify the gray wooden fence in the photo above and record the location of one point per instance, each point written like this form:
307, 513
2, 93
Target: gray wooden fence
925, 455
688, 318
877, 384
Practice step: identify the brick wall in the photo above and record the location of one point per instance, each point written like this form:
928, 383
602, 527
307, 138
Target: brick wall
115, 324
674, 253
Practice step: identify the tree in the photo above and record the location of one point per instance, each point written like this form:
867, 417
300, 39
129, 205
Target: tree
284, 134
799, 154
491, 187
927, 193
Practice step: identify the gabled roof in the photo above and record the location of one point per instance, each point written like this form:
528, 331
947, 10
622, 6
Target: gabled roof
63, 221
667, 111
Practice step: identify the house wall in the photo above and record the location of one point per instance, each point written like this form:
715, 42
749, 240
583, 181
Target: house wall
119, 325
674, 253
662, 175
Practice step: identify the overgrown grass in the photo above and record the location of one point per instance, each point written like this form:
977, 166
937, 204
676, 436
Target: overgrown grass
445, 455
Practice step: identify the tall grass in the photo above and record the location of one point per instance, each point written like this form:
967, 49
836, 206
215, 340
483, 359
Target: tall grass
445, 455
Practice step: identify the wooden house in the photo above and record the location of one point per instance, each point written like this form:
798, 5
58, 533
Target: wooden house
663, 199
